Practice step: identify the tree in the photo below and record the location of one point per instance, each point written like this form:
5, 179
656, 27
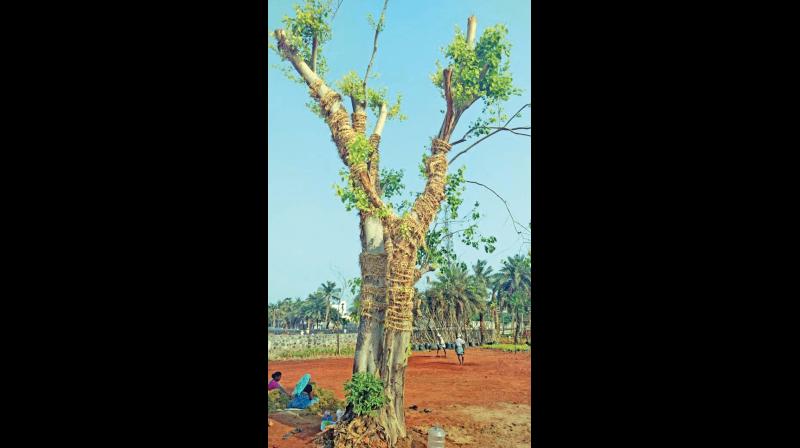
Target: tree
313, 309
455, 288
331, 293
514, 277
393, 238
483, 278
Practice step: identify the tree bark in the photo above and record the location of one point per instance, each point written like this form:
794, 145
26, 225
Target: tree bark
373, 260
327, 312
480, 316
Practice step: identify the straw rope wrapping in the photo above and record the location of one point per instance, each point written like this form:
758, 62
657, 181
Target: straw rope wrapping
341, 131
359, 122
401, 252
373, 271
374, 141
406, 235
428, 204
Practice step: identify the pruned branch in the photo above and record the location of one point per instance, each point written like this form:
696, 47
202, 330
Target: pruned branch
513, 220
315, 83
384, 113
449, 117
472, 27
342, 134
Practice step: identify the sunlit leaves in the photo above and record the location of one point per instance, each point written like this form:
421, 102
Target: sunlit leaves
359, 150
479, 73
391, 182
453, 189
310, 20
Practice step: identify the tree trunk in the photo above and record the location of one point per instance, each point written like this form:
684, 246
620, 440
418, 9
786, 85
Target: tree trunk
373, 261
516, 328
496, 314
480, 317
327, 313
530, 327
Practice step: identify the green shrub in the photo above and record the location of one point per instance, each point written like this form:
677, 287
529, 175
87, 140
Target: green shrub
276, 400
308, 353
508, 347
327, 401
365, 392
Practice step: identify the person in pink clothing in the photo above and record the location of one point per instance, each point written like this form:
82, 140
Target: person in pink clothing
274, 384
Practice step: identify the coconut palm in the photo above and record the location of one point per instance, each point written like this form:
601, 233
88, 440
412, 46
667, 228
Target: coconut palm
514, 276
517, 306
482, 275
313, 309
331, 294
459, 291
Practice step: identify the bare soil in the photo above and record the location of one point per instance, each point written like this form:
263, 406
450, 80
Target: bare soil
485, 403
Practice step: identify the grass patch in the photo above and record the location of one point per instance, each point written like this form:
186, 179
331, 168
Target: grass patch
508, 347
313, 352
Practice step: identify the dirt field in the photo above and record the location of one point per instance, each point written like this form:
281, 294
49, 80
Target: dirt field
485, 403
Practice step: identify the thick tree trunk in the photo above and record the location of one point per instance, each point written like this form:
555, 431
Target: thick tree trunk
373, 295
402, 251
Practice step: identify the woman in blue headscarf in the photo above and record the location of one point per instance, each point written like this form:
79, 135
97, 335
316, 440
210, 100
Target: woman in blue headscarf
302, 396
304, 399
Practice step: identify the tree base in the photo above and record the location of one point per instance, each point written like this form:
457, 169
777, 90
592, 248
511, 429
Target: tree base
359, 432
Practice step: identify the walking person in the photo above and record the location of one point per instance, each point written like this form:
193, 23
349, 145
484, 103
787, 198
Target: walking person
440, 345
460, 343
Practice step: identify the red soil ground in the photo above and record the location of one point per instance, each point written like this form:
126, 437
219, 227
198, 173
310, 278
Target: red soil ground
485, 403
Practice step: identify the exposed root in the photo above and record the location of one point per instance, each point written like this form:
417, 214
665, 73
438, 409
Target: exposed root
360, 432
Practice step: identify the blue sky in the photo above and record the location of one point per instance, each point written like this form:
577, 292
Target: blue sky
311, 237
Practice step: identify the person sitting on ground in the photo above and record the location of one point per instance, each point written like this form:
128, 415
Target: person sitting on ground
274, 384
304, 399
327, 420
460, 343
440, 345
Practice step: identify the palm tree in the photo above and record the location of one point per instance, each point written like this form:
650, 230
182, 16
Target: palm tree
517, 305
514, 277
313, 309
482, 275
331, 293
456, 289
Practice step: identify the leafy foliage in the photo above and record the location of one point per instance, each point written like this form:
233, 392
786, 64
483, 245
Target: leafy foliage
453, 189
276, 401
365, 392
482, 72
327, 401
359, 150
310, 21
353, 86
